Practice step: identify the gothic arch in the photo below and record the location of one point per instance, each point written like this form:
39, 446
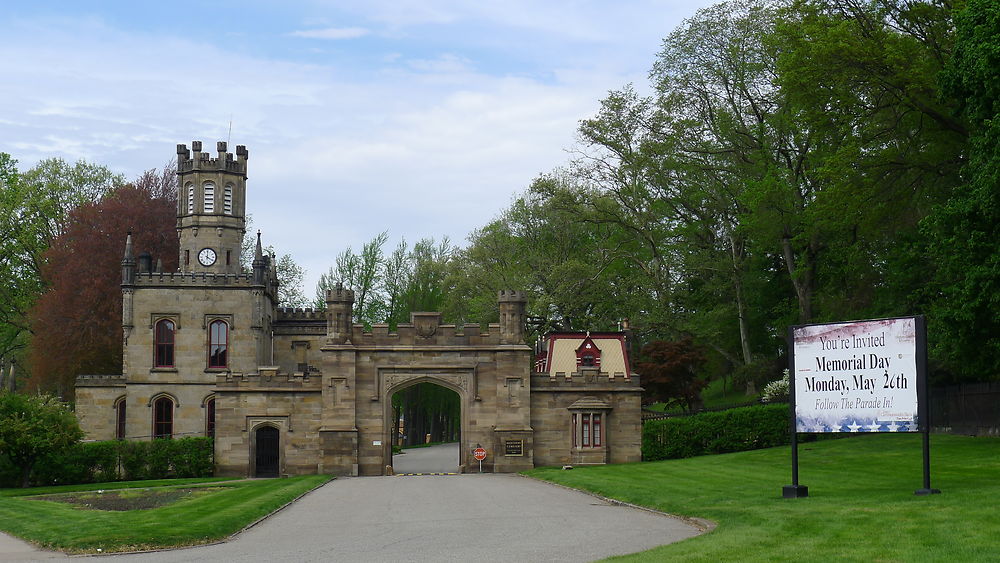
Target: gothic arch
460, 383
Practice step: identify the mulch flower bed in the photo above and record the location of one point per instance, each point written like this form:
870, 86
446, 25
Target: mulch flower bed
127, 499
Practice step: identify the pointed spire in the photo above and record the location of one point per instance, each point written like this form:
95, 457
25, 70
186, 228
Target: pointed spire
128, 247
128, 262
259, 266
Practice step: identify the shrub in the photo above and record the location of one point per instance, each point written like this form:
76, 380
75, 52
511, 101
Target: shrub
193, 457
33, 427
158, 454
776, 391
733, 430
116, 460
132, 460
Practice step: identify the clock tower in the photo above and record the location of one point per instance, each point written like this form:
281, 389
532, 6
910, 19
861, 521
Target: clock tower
211, 208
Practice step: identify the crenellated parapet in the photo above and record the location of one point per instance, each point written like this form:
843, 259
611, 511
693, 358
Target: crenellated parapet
269, 378
585, 380
196, 160
300, 314
426, 334
192, 279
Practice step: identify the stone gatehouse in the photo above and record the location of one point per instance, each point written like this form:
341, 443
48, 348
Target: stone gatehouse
299, 391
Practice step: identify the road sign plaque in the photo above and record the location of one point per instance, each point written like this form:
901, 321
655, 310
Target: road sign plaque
480, 453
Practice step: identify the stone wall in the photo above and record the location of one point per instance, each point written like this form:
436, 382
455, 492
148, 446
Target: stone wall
551, 400
291, 403
95, 404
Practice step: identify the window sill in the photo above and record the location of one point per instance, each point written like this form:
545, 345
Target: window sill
217, 370
163, 369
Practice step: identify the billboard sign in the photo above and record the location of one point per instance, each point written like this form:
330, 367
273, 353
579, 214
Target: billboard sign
858, 376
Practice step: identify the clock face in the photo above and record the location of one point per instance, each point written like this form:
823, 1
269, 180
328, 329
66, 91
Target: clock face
206, 257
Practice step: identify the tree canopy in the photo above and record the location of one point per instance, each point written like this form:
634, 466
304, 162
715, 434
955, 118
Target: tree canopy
80, 312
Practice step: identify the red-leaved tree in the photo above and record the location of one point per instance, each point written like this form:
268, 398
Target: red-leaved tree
669, 372
76, 322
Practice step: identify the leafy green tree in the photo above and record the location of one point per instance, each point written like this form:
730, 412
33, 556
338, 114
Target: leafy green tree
964, 321
34, 426
361, 273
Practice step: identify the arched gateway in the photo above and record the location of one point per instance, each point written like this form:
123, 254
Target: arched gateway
315, 389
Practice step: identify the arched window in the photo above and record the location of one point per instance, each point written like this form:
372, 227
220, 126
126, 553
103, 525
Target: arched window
209, 201
218, 344
227, 199
120, 419
190, 194
210, 418
164, 354
163, 418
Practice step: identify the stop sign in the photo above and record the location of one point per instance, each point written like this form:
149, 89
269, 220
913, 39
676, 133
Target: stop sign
480, 453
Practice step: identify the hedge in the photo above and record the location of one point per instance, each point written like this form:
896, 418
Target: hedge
733, 430
98, 462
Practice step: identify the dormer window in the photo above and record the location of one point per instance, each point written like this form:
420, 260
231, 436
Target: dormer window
588, 355
208, 206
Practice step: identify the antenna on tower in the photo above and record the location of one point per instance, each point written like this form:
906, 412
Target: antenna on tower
229, 137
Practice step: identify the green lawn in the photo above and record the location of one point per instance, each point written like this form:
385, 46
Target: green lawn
861, 505
203, 519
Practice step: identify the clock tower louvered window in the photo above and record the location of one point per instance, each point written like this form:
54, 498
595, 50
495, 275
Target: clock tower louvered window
209, 204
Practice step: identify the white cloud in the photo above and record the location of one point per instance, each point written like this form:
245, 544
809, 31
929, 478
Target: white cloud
423, 143
331, 33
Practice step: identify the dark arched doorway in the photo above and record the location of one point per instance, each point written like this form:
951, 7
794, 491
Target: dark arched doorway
266, 458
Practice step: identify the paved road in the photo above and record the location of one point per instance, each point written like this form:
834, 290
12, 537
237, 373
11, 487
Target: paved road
13, 549
436, 518
441, 518
442, 458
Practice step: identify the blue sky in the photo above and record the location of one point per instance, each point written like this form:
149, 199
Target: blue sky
423, 118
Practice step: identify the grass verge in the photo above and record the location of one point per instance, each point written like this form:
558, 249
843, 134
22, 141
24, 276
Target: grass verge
861, 505
199, 520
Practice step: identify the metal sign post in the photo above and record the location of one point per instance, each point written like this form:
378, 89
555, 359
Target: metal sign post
480, 454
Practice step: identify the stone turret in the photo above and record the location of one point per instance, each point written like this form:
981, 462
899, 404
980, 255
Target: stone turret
211, 208
339, 314
512, 316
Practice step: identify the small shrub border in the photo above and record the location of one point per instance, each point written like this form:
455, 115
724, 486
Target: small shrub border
734, 430
116, 460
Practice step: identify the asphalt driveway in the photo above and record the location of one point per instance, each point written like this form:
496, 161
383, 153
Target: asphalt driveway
441, 518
